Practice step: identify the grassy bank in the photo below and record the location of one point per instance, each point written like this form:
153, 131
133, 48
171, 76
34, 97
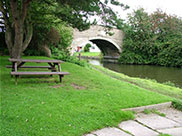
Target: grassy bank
148, 84
89, 54
86, 100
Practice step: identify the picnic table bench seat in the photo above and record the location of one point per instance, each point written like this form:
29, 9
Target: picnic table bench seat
19, 63
39, 73
61, 74
10, 66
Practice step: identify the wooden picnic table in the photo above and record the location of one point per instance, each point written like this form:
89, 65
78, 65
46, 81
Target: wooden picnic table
19, 63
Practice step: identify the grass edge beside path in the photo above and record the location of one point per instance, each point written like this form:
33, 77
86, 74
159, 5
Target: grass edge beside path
148, 84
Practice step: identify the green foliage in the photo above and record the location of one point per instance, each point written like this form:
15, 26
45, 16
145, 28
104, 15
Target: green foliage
148, 111
77, 13
59, 36
152, 39
31, 51
66, 35
86, 48
169, 83
90, 54
65, 56
171, 56
130, 57
177, 104
164, 135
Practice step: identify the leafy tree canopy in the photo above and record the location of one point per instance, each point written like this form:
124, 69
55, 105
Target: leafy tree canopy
20, 15
152, 39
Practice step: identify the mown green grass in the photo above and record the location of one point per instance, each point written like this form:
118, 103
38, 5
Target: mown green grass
164, 135
148, 84
90, 54
43, 106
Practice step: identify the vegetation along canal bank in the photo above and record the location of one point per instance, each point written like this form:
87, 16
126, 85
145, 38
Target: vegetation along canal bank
162, 74
90, 98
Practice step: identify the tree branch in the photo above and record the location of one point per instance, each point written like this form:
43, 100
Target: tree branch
24, 10
28, 35
14, 9
9, 39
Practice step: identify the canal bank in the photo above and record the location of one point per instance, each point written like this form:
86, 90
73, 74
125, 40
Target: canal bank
152, 85
166, 75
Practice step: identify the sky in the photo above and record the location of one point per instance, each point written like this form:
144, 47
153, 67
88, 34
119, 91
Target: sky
172, 7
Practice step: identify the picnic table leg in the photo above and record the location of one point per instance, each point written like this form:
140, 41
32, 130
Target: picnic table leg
21, 64
13, 68
16, 77
53, 68
60, 78
59, 67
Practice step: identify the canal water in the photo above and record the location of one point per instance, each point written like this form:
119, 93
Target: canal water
159, 73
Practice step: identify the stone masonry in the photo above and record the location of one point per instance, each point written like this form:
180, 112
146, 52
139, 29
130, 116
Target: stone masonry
109, 45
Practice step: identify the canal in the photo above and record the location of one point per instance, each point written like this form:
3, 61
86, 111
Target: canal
159, 73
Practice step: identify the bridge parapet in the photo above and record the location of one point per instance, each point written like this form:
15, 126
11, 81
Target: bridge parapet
97, 35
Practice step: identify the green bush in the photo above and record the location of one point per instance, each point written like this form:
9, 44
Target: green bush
177, 104
171, 56
64, 55
169, 83
33, 52
59, 36
152, 39
128, 57
87, 47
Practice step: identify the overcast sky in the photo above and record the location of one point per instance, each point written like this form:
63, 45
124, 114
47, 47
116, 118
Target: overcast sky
168, 6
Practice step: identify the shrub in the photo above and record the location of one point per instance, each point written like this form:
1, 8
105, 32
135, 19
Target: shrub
87, 47
64, 55
152, 39
177, 104
169, 83
59, 36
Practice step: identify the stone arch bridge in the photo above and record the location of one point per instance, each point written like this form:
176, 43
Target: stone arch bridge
110, 45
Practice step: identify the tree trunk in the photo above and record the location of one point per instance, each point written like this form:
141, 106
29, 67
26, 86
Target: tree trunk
8, 39
18, 33
18, 40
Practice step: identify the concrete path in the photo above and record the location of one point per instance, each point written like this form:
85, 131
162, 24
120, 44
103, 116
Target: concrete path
151, 124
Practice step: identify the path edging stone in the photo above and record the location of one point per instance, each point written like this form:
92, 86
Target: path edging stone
154, 106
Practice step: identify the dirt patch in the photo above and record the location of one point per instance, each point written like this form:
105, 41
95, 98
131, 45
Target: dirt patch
57, 86
78, 87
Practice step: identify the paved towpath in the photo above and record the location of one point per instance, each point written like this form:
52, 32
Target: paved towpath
147, 125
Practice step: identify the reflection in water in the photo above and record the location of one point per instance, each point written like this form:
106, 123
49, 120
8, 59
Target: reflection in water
95, 62
159, 73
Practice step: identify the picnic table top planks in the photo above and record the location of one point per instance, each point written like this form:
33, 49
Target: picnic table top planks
35, 60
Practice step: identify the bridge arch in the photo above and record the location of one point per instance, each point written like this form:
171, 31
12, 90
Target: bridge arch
107, 46
110, 45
